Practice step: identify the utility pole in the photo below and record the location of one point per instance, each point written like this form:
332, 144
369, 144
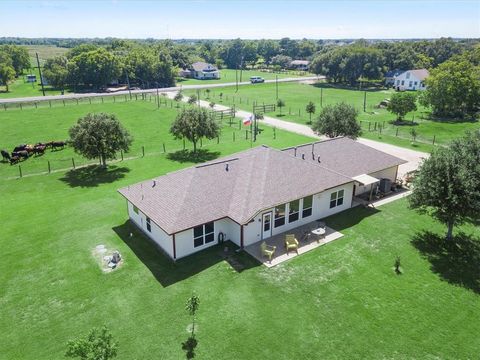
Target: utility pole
40, 73
321, 97
364, 101
236, 79
276, 87
158, 98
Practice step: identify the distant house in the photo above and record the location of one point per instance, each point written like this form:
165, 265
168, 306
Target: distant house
411, 80
201, 71
302, 65
255, 194
31, 78
390, 76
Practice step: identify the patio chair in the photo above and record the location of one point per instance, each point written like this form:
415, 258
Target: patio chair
291, 243
267, 250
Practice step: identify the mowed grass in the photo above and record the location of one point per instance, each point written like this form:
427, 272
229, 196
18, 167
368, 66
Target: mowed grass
148, 125
297, 95
340, 301
231, 75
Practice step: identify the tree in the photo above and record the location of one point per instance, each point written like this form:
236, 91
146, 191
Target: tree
194, 123
453, 89
19, 56
178, 97
7, 72
402, 103
446, 185
55, 71
310, 109
99, 136
338, 120
95, 68
282, 61
280, 105
192, 305
192, 99
207, 92
98, 345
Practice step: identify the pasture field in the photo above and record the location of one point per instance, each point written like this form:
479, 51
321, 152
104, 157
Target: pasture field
45, 52
228, 75
340, 301
297, 95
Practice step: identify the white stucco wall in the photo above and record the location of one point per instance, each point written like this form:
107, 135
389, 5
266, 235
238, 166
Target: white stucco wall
320, 209
160, 237
406, 82
184, 239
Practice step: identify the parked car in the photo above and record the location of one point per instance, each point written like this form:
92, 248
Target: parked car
256, 79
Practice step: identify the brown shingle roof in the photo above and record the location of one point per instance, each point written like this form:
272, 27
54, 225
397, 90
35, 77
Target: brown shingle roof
347, 156
202, 66
256, 179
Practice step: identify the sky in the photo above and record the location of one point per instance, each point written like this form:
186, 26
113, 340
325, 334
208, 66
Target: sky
223, 19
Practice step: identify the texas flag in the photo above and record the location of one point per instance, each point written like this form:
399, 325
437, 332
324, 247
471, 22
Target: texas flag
248, 120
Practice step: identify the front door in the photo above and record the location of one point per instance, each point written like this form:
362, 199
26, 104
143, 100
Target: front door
266, 225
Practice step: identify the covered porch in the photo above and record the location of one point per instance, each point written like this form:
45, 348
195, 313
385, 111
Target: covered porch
306, 241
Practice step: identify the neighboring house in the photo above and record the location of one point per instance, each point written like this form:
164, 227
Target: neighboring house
255, 194
301, 65
201, 70
411, 80
390, 76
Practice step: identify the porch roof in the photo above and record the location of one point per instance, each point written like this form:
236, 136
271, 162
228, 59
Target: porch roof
365, 179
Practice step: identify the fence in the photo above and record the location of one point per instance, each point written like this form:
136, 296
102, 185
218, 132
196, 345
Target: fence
50, 162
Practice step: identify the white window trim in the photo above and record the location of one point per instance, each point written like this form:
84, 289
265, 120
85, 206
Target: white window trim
337, 198
204, 235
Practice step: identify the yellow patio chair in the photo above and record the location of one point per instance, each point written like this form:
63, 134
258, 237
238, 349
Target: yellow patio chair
291, 243
267, 250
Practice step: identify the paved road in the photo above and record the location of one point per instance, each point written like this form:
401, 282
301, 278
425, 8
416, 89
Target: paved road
149, 91
413, 158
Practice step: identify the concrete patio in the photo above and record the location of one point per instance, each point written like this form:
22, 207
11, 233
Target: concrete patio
304, 245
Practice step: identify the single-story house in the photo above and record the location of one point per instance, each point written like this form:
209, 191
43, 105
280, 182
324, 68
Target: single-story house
201, 70
411, 80
390, 76
252, 195
301, 65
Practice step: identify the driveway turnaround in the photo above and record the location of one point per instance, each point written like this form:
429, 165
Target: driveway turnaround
413, 157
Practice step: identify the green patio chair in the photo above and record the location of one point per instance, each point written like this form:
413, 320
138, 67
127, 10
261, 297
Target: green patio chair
291, 243
267, 250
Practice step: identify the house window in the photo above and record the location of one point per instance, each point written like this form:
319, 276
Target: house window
149, 226
135, 209
293, 210
416, 83
336, 198
408, 75
279, 215
307, 206
203, 234
403, 82
410, 83
398, 82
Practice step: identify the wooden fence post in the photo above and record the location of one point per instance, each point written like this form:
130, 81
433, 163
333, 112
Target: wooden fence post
143, 151
63, 102
73, 163
433, 142
35, 104
274, 133
218, 139
20, 170
50, 103
164, 148
121, 154
369, 125
234, 136
183, 144
396, 132
49, 168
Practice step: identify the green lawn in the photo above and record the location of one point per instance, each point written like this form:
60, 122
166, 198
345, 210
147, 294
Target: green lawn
228, 75
297, 95
340, 301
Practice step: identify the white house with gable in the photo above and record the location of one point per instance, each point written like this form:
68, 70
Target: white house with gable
411, 80
255, 194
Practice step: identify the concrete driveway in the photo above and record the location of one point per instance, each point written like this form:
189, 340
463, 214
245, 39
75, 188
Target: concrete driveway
413, 158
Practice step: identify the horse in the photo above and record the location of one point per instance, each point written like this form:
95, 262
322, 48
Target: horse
5, 155
20, 147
